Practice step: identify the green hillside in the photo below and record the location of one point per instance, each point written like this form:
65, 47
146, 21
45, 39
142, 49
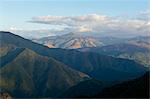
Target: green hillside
33, 75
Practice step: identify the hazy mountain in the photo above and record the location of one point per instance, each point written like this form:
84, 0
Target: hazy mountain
25, 73
141, 38
116, 49
124, 50
76, 40
142, 41
95, 65
108, 40
70, 41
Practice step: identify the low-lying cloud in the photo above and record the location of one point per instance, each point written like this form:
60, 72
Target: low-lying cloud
94, 23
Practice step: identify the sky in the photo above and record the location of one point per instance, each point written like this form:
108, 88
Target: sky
26, 14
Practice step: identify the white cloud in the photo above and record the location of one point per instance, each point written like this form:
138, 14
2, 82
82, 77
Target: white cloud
68, 20
144, 16
30, 34
84, 29
98, 24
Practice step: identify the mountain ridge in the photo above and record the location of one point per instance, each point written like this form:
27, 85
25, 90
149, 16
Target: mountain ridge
70, 41
30, 82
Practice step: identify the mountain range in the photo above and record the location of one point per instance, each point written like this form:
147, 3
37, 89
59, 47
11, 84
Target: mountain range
136, 88
142, 41
76, 40
24, 73
69, 41
29, 69
137, 53
135, 48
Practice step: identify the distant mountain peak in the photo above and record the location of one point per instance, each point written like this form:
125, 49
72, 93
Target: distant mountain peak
70, 41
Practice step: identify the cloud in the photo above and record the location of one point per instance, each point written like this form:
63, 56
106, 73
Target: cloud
144, 16
98, 23
32, 34
84, 29
68, 20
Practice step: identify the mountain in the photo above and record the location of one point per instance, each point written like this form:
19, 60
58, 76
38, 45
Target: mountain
108, 40
142, 41
95, 65
123, 50
24, 73
141, 38
69, 41
32, 70
85, 88
5, 48
76, 40
137, 88
116, 49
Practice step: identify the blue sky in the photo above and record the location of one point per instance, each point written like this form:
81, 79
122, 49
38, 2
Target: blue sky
16, 13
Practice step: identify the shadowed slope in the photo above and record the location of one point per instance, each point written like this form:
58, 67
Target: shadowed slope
10, 56
126, 51
33, 75
137, 88
85, 88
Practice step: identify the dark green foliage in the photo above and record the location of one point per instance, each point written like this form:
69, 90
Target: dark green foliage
85, 88
32, 75
138, 88
10, 56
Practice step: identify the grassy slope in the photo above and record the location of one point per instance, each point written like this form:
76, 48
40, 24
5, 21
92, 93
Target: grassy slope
30, 75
